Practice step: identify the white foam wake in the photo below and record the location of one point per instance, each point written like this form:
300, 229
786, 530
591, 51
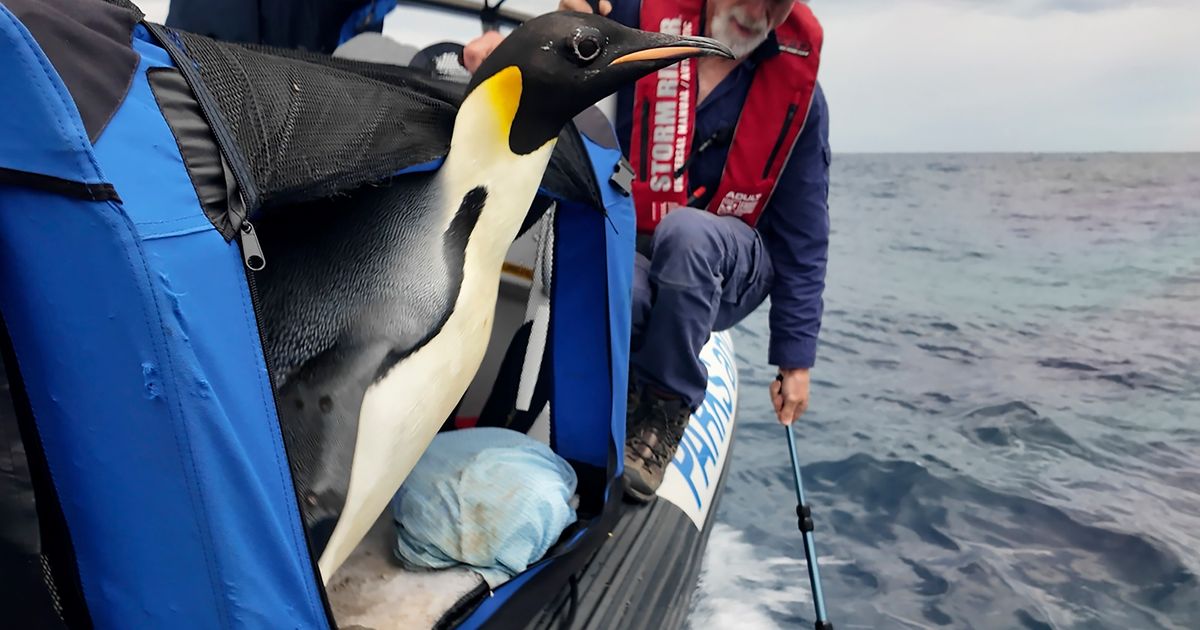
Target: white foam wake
740, 589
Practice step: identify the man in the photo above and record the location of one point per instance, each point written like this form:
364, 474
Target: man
731, 187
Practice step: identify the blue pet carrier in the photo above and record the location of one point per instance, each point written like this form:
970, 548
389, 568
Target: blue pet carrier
149, 484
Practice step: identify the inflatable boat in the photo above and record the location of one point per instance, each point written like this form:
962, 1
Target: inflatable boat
145, 481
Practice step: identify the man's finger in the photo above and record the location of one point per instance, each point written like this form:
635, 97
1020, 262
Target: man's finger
791, 405
802, 409
776, 390
575, 5
478, 49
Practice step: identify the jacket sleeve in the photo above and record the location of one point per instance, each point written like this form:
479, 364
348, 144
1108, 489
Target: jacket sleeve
795, 230
626, 12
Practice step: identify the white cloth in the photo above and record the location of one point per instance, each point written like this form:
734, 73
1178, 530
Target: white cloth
490, 498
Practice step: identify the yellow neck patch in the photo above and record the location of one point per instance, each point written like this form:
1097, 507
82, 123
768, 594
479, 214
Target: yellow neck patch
503, 92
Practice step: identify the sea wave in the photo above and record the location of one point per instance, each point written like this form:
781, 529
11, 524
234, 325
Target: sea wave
1003, 429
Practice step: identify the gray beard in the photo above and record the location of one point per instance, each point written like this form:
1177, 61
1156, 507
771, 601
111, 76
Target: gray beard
722, 31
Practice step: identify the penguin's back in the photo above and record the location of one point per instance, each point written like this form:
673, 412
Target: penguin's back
351, 284
368, 267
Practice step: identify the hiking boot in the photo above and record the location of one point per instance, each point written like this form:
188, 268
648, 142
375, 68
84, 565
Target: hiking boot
631, 404
655, 426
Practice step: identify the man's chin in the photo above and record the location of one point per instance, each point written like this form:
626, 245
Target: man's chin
727, 31
742, 47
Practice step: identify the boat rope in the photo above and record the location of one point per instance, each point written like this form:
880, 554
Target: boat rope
805, 523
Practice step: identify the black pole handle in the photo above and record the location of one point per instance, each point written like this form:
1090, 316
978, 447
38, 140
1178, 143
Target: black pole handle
489, 16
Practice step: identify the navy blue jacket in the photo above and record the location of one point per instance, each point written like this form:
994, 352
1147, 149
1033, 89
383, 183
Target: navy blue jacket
795, 224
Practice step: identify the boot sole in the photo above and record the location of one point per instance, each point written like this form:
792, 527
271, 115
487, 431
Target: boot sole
637, 496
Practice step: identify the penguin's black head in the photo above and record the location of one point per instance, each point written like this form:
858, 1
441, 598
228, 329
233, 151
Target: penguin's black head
556, 65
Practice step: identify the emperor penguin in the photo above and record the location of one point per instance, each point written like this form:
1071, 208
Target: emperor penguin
377, 313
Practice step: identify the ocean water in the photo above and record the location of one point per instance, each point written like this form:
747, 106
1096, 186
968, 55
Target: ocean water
1005, 419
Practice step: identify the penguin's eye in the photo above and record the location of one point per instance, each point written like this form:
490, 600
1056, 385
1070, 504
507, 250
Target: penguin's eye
585, 45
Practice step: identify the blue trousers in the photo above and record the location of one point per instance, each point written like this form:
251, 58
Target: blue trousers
704, 273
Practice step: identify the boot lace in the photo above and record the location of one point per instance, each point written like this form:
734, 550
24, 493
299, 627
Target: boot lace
666, 420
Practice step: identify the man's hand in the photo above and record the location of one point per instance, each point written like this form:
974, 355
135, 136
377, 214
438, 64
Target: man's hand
789, 394
583, 7
479, 48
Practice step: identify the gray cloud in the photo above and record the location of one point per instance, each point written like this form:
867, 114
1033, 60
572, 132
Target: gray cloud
958, 75
1009, 7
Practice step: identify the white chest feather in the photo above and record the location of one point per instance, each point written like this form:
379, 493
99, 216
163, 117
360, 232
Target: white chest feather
403, 411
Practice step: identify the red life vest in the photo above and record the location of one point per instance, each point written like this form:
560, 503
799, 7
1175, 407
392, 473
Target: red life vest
772, 117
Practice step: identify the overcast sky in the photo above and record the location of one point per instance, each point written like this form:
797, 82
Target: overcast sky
986, 75
1012, 75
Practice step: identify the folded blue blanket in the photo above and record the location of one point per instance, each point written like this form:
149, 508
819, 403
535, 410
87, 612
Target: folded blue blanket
490, 498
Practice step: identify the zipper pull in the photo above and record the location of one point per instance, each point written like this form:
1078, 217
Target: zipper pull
252, 252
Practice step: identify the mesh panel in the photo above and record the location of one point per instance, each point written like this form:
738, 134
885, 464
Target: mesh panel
309, 125
307, 131
569, 174
126, 4
401, 76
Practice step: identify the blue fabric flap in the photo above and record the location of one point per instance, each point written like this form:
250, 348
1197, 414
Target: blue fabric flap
40, 129
137, 342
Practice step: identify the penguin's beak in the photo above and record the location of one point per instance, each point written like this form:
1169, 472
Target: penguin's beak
660, 47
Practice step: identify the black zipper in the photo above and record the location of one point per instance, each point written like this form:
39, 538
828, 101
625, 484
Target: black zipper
644, 164
719, 138
252, 254
255, 261
224, 137
787, 123
252, 285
